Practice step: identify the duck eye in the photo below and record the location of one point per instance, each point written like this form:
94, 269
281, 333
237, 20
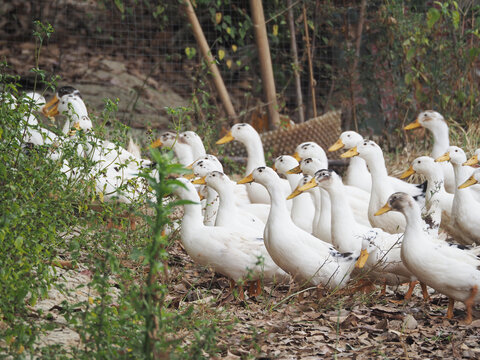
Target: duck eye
456, 150
348, 135
418, 161
260, 170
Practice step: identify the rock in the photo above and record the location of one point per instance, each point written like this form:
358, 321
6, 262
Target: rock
409, 322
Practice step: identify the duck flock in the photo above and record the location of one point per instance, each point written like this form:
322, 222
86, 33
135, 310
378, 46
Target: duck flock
298, 219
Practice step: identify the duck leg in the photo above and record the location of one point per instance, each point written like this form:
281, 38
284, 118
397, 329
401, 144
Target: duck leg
469, 304
411, 286
426, 296
384, 288
451, 302
254, 288
233, 285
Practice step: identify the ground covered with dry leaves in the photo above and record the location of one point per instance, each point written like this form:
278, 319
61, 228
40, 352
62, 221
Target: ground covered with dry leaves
288, 323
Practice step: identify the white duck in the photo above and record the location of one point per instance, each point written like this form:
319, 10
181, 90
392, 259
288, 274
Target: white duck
34, 133
322, 217
312, 150
382, 248
303, 210
448, 269
474, 159
183, 151
228, 252
250, 138
192, 139
358, 199
299, 253
382, 186
438, 202
228, 213
357, 173
437, 125
465, 207
68, 101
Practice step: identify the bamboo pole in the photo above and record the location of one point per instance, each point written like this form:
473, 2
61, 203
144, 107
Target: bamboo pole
296, 66
355, 75
310, 65
207, 54
266, 70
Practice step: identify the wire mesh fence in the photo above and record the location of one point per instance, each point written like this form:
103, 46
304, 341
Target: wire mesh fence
144, 53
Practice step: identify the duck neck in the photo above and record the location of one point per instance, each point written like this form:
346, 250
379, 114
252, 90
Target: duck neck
256, 156
197, 149
293, 180
414, 225
192, 218
435, 185
183, 153
211, 207
440, 139
343, 221
461, 174
278, 209
227, 209
377, 168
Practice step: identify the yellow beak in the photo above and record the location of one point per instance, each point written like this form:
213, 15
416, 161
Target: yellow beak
407, 173
189, 176
53, 104
472, 161
295, 170
296, 156
383, 210
274, 168
311, 184
337, 146
350, 153
471, 181
295, 193
227, 138
201, 196
413, 125
247, 179
444, 157
362, 259
199, 181
157, 143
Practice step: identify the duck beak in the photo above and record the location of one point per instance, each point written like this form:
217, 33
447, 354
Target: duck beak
362, 259
274, 168
51, 108
200, 196
407, 173
157, 143
295, 170
413, 125
295, 193
472, 161
444, 157
189, 176
471, 181
227, 138
383, 210
296, 156
350, 153
247, 179
199, 181
311, 184
337, 146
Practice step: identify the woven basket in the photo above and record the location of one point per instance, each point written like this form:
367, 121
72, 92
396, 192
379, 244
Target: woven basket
324, 130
